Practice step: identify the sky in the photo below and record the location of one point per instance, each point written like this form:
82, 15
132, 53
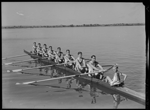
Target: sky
66, 13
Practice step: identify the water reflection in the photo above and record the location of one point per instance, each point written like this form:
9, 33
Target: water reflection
117, 99
94, 90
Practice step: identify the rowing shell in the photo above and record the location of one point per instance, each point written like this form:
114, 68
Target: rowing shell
123, 91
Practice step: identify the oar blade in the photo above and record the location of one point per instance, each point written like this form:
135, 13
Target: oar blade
17, 70
8, 63
8, 71
25, 83
3, 58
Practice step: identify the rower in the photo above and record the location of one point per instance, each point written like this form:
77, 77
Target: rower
34, 48
116, 81
93, 66
51, 54
80, 64
44, 51
59, 57
69, 59
39, 50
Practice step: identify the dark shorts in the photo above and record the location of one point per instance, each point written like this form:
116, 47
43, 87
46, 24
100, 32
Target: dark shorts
98, 76
119, 85
61, 61
49, 58
35, 52
83, 70
40, 55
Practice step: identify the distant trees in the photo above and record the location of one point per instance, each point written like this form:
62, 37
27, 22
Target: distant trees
83, 25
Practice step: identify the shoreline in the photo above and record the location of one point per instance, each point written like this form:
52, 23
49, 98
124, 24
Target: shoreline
83, 25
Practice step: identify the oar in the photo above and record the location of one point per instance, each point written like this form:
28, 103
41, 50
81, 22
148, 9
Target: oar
98, 61
108, 69
10, 63
63, 77
13, 56
18, 70
50, 79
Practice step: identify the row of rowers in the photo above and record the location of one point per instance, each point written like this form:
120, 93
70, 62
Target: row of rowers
77, 64
58, 56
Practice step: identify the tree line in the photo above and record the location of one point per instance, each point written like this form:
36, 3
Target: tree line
83, 25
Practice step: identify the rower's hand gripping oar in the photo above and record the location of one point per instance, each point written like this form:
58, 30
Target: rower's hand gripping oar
10, 63
14, 56
18, 70
50, 79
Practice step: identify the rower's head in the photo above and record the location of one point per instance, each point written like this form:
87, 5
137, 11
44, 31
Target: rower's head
44, 45
80, 54
59, 49
115, 67
34, 43
93, 58
39, 44
50, 47
68, 51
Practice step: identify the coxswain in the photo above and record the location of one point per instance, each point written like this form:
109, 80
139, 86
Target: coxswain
116, 81
69, 59
96, 68
34, 48
51, 54
59, 57
39, 50
44, 50
80, 64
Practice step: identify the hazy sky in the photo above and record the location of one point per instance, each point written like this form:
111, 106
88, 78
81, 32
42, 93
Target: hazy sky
55, 13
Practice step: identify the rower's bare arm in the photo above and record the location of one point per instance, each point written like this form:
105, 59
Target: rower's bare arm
73, 58
84, 65
100, 67
125, 76
65, 59
94, 67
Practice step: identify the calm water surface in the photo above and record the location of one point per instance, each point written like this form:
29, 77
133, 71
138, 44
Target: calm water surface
123, 45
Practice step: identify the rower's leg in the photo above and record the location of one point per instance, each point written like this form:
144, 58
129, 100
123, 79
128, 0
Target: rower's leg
109, 80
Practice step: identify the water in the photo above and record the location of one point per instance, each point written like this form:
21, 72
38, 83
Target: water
122, 45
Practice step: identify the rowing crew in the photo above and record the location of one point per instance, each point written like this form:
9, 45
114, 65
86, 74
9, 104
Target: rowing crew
79, 63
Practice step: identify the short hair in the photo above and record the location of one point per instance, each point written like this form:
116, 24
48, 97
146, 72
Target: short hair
116, 66
58, 48
45, 44
67, 50
34, 42
50, 46
79, 53
39, 43
93, 56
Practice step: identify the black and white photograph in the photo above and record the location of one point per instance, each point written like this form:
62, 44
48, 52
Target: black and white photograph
73, 55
